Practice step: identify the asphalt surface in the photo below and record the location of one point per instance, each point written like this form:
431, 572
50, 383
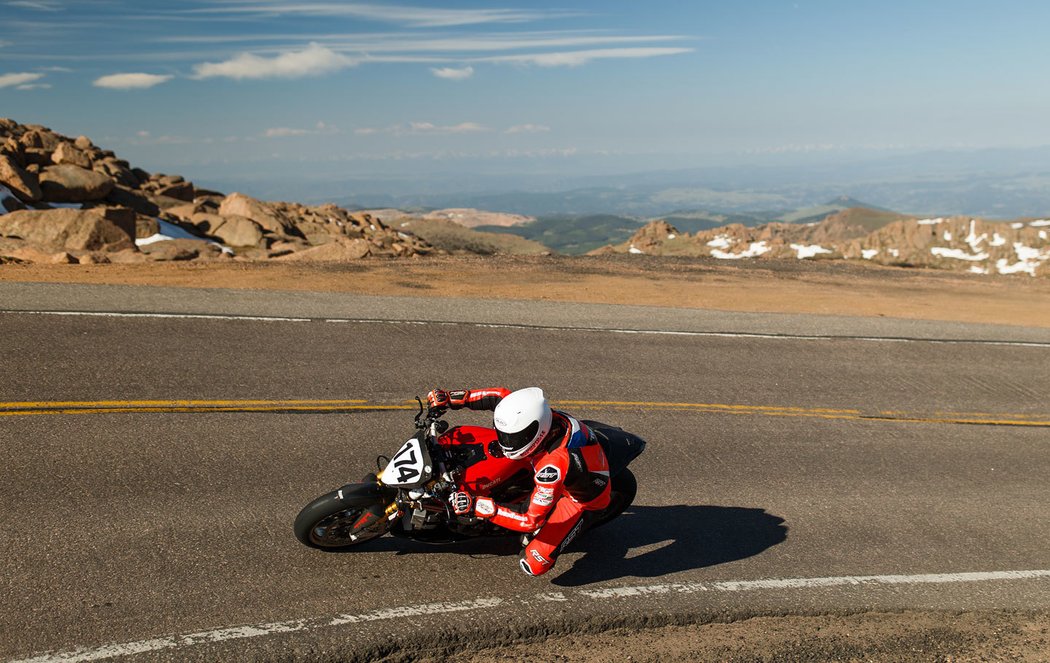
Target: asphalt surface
793, 459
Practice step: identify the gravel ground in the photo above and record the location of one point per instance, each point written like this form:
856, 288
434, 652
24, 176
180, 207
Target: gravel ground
908, 636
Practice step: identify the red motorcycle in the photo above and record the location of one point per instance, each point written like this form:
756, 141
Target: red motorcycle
408, 497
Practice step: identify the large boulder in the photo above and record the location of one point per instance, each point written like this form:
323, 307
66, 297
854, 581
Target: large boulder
66, 229
66, 153
179, 191
238, 204
232, 230
338, 250
73, 184
22, 184
135, 200
181, 249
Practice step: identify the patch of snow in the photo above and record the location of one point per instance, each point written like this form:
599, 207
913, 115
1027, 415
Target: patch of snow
66, 205
753, 251
997, 240
930, 222
894, 252
947, 236
721, 242
803, 251
671, 235
975, 269
403, 235
4, 193
1028, 260
1041, 223
973, 239
172, 231
1017, 226
868, 254
958, 254
1042, 234
634, 250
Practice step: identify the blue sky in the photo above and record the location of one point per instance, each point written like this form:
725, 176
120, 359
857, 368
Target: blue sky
284, 87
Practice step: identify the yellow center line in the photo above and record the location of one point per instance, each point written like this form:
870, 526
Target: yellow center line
181, 406
169, 403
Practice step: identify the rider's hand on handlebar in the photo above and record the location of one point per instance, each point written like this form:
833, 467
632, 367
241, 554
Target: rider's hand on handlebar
437, 398
461, 503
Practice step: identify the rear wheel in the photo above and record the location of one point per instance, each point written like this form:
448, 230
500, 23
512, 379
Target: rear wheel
332, 523
624, 488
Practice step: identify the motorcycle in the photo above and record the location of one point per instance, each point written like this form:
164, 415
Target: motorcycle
409, 495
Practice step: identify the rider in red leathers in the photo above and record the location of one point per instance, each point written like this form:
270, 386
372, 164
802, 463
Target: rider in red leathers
571, 472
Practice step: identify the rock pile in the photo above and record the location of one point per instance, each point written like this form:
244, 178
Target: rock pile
65, 200
956, 243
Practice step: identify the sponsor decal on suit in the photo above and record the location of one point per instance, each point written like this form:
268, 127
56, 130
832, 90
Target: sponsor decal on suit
548, 474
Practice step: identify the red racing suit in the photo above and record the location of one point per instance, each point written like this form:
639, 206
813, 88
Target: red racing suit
571, 475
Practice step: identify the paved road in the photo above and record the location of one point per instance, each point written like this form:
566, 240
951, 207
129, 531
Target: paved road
801, 475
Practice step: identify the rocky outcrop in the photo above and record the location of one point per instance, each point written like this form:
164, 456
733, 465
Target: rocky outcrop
72, 184
106, 204
956, 243
66, 229
23, 184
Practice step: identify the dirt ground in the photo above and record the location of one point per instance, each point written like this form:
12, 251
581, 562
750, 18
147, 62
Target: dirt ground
909, 636
823, 287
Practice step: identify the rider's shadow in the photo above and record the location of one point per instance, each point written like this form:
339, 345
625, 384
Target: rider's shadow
687, 537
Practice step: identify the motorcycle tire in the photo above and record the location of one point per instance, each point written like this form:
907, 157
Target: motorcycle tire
624, 489
332, 523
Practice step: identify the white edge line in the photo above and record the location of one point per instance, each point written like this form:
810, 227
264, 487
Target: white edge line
273, 628
495, 325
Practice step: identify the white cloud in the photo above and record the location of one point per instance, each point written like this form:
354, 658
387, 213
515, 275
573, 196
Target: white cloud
8, 80
34, 86
284, 132
577, 58
453, 74
130, 81
313, 60
527, 129
38, 5
419, 17
424, 128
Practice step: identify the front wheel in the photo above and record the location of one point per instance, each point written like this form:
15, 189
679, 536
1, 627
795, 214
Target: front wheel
624, 488
334, 523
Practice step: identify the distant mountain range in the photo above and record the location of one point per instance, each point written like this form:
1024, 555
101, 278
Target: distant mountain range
996, 184
583, 233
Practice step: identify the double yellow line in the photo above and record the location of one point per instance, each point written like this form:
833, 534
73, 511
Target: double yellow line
44, 408
31, 408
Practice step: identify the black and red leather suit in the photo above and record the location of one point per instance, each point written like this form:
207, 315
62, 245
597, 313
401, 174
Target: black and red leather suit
571, 476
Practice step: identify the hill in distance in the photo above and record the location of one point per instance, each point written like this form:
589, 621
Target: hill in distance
580, 234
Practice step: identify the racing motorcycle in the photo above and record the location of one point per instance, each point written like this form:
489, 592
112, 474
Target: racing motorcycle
408, 496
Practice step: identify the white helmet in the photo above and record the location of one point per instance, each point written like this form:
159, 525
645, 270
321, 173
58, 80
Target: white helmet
522, 420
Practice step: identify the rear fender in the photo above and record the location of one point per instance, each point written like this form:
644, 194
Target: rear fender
620, 446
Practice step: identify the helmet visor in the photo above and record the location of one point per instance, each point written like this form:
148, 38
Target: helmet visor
511, 442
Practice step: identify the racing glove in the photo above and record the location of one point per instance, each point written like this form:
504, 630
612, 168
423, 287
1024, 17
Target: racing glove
453, 400
437, 398
461, 503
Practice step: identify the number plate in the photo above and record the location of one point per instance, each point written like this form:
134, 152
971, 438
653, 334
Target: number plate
407, 467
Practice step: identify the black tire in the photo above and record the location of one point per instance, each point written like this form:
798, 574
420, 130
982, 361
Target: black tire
330, 522
624, 488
